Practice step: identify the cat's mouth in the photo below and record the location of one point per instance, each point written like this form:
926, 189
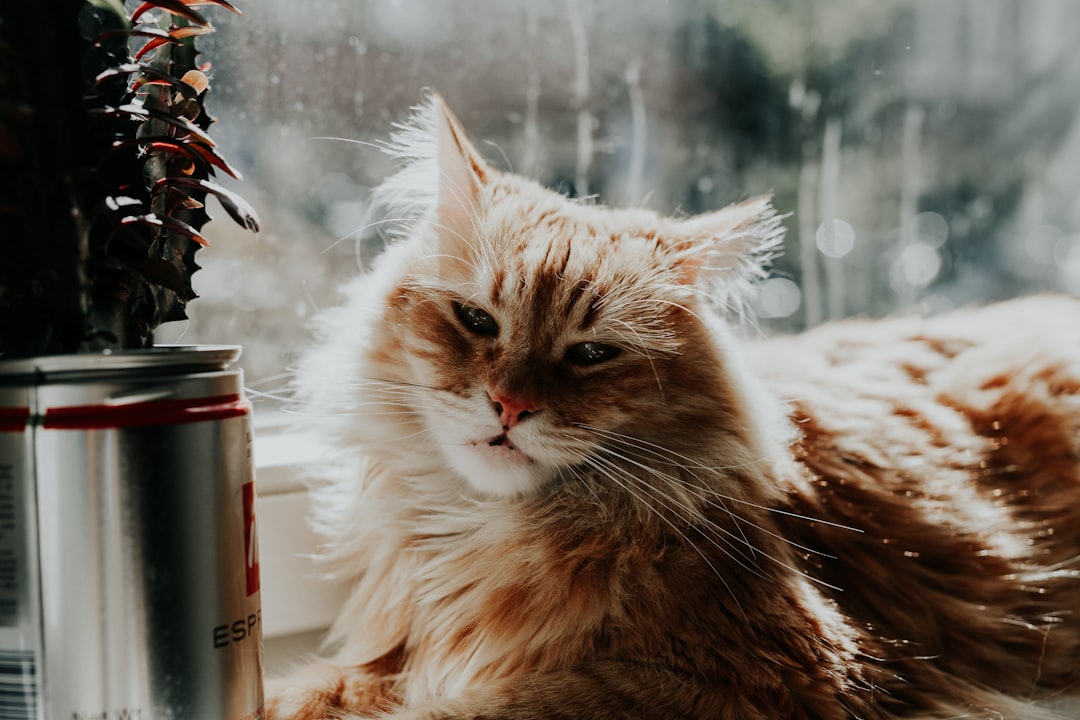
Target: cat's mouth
502, 446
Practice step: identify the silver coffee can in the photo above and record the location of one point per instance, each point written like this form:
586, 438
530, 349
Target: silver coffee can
129, 575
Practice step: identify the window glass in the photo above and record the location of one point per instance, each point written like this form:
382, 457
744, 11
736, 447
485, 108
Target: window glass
927, 153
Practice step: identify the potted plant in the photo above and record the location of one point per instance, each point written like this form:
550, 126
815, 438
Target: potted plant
126, 499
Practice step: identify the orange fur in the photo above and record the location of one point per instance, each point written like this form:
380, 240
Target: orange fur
874, 520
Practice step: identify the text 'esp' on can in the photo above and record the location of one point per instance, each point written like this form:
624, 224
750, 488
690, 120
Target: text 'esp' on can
129, 575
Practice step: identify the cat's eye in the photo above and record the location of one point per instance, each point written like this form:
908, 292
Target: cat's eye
591, 353
476, 320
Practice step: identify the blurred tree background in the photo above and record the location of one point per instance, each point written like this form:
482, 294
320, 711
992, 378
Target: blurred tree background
927, 153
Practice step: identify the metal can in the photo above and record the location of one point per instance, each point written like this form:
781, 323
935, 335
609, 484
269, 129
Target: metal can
129, 576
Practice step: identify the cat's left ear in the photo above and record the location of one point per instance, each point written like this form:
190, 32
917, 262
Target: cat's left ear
729, 249
462, 173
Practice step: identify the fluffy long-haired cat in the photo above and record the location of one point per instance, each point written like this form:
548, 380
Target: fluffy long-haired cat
564, 490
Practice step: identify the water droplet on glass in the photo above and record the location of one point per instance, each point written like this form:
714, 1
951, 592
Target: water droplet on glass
778, 297
835, 238
930, 228
917, 266
1063, 246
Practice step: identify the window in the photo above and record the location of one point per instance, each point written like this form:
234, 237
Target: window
928, 153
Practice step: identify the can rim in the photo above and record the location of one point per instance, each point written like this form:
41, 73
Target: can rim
159, 357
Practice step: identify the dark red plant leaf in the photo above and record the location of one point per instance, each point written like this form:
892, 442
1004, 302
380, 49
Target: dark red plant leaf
214, 158
238, 208
149, 31
185, 202
174, 36
151, 76
166, 223
205, 157
132, 112
152, 44
219, 3
137, 31
125, 69
178, 201
181, 123
176, 7
186, 31
169, 146
157, 82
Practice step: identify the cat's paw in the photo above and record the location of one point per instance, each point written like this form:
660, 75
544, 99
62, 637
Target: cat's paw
313, 693
325, 691
288, 701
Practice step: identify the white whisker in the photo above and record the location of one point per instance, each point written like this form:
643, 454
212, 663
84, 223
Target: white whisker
662, 453
351, 141
362, 228
260, 394
690, 515
788, 513
741, 537
615, 479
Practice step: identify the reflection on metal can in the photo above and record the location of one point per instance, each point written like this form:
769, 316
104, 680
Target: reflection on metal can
129, 579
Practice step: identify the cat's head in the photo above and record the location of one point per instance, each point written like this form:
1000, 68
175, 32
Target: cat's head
530, 338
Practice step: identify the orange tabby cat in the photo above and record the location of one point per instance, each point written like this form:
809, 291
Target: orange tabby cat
564, 490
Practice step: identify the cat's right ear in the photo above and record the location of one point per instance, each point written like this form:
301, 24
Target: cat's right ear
728, 250
462, 173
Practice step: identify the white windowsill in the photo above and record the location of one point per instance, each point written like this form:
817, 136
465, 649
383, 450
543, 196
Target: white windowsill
297, 601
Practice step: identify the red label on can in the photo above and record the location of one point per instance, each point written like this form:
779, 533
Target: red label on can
156, 412
14, 420
251, 540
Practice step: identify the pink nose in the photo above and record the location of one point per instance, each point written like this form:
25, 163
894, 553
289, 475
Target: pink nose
511, 410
